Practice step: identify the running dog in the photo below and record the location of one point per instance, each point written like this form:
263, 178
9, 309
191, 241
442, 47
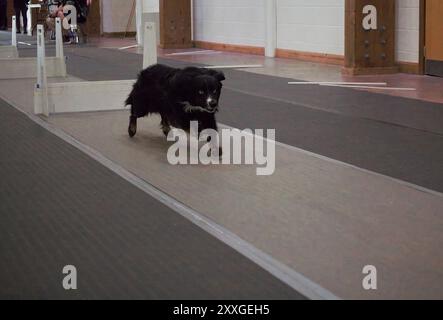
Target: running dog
179, 96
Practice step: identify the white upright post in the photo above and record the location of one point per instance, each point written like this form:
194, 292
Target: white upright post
192, 20
59, 47
30, 22
58, 38
41, 65
41, 103
139, 21
271, 28
149, 45
14, 31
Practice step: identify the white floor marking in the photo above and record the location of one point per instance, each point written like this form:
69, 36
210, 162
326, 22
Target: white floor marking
240, 66
369, 87
25, 43
338, 83
185, 53
128, 47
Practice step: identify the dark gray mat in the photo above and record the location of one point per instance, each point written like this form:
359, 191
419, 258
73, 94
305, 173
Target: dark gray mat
412, 113
404, 153
60, 207
344, 134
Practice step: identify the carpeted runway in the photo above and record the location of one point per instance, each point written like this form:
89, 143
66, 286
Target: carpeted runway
59, 207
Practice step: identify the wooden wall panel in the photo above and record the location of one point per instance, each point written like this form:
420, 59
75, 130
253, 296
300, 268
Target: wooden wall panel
10, 12
370, 51
434, 30
175, 24
93, 24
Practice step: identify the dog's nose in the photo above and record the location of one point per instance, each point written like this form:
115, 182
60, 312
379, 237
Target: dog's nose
213, 104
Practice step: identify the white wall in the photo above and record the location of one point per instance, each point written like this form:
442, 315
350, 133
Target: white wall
115, 15
151, 6
311, 25
230, 21
407, 30
303, 25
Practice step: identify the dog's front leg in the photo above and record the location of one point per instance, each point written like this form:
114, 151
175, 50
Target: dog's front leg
132, 129
210, 123
166, 127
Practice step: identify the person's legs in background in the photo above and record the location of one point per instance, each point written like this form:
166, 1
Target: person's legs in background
21, 9
83, 36
17, 18
50, 25
24, 10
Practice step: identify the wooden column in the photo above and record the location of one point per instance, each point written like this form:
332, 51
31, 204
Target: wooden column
10, 12
34, 13
434, 37
370, 37
93, 22
175, 24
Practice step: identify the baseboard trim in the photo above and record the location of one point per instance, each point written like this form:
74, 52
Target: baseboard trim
230, 47
118, 34
310, 56
359, 71
409, 67
327, 58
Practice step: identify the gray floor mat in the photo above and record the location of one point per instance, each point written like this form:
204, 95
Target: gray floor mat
59, 207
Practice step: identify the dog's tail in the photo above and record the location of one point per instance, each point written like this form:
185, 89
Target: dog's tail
130, 100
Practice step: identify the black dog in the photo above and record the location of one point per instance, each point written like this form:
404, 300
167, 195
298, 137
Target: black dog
178, 95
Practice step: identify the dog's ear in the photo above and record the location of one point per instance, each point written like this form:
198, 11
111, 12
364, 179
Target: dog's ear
220, 76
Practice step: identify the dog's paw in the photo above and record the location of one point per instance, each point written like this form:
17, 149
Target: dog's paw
132, 130
166, 132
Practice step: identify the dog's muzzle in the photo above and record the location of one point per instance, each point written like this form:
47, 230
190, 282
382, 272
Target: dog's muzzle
187, 107
214, 110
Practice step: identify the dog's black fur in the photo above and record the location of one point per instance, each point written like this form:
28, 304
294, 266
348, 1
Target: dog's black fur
178, 95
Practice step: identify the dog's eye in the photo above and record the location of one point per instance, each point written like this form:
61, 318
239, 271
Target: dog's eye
201, 92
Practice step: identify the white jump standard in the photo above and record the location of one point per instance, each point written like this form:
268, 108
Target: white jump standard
8, 52
22, 68
64, 97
